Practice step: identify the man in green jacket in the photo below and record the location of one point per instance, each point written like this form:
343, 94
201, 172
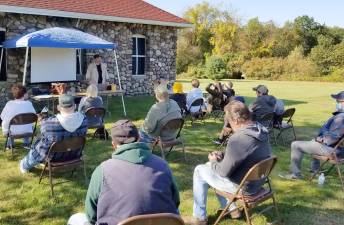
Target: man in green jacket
133, 182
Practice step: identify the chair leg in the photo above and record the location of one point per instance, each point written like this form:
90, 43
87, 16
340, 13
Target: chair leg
51, 182
6, 143
224, 211
41, 177
183, 146
340, 176
294, 133
247, 214
276, 209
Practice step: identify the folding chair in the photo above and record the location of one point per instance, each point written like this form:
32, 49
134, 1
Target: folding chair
172, 129
332, 159
258, 172
22, 119
99, 113
285, 125
267, 121
198, 114
64, 155
154, 219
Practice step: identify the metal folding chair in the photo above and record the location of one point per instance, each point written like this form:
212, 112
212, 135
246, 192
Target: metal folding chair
332, 159
258, 172
64, 155
172, 129
286, 124
267, 121
22, 119
99, 113
199, 113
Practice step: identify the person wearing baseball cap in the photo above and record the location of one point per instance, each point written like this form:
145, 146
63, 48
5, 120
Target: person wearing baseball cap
67, 123
329, 135
133, 182
263, 104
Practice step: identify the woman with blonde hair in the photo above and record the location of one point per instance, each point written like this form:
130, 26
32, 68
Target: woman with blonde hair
91, 100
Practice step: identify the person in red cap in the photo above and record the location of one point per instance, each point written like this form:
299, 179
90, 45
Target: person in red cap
329, 135
133, 182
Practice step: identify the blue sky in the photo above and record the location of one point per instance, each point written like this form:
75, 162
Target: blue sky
330, 12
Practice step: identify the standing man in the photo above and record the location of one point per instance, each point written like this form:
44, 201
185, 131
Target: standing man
97, 71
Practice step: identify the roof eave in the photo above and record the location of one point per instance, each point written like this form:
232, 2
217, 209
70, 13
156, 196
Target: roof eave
58, 13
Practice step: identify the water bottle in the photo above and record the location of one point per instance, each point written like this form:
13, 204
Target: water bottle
321, 180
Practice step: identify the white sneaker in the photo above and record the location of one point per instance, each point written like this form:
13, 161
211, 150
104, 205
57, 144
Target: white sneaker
21, 168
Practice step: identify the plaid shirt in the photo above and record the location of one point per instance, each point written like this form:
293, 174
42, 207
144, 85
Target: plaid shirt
333, 130
52, 131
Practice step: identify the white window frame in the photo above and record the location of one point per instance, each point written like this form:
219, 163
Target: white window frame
137, 36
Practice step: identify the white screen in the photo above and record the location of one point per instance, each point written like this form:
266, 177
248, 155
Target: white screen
53, 64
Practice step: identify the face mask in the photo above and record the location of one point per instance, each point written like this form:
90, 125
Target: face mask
339, 107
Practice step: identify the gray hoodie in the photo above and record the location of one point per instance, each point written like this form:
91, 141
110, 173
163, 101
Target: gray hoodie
246, 147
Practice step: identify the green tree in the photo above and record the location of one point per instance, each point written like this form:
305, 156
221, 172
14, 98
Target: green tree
215, 68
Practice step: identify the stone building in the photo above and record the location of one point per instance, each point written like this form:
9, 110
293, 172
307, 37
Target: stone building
146, 36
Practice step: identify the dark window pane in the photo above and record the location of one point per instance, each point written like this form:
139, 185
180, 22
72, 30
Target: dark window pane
134, 46
141, 46
3, 76
133, 65
141, 66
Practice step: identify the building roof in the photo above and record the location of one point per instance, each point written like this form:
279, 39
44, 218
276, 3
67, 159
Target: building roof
130, 11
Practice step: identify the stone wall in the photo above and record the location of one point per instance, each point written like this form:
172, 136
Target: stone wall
160, 48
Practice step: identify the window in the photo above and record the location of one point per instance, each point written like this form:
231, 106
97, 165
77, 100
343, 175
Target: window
3, 76
139, 55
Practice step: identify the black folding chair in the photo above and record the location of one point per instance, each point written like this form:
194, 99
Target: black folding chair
199, 114
98, 113
286, 124
267, 121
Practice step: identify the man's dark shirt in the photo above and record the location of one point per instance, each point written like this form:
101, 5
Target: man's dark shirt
100, 76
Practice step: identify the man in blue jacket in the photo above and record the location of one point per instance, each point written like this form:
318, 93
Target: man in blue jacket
329, 135
133, 182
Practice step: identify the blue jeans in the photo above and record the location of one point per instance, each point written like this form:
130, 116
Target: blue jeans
32, 159
146, 138
203, 178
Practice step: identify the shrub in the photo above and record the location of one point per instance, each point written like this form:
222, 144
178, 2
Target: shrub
215, 68
264, 68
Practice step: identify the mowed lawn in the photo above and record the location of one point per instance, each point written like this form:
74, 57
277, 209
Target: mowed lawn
24, 201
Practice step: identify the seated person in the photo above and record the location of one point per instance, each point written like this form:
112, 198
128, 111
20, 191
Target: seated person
216, 100
194, 94
226, 129
89, 101
14, 107
64, 125
247, 146
263, 104
116, 191
159, 114
228, 90
329, 135
179, 96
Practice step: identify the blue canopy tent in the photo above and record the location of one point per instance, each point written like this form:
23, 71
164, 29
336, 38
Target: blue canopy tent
58, 37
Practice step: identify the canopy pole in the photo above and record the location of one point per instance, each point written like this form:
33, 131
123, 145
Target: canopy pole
119, 83
25, 65
79, 54
2, 53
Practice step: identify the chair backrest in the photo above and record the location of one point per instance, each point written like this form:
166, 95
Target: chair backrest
267, 120
197, 102
67, 149
288, 114
172, 128
95, 112
154, 219
24, 118
261, 170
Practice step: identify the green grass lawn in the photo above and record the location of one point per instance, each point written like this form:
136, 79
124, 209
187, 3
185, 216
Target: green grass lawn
24, 201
